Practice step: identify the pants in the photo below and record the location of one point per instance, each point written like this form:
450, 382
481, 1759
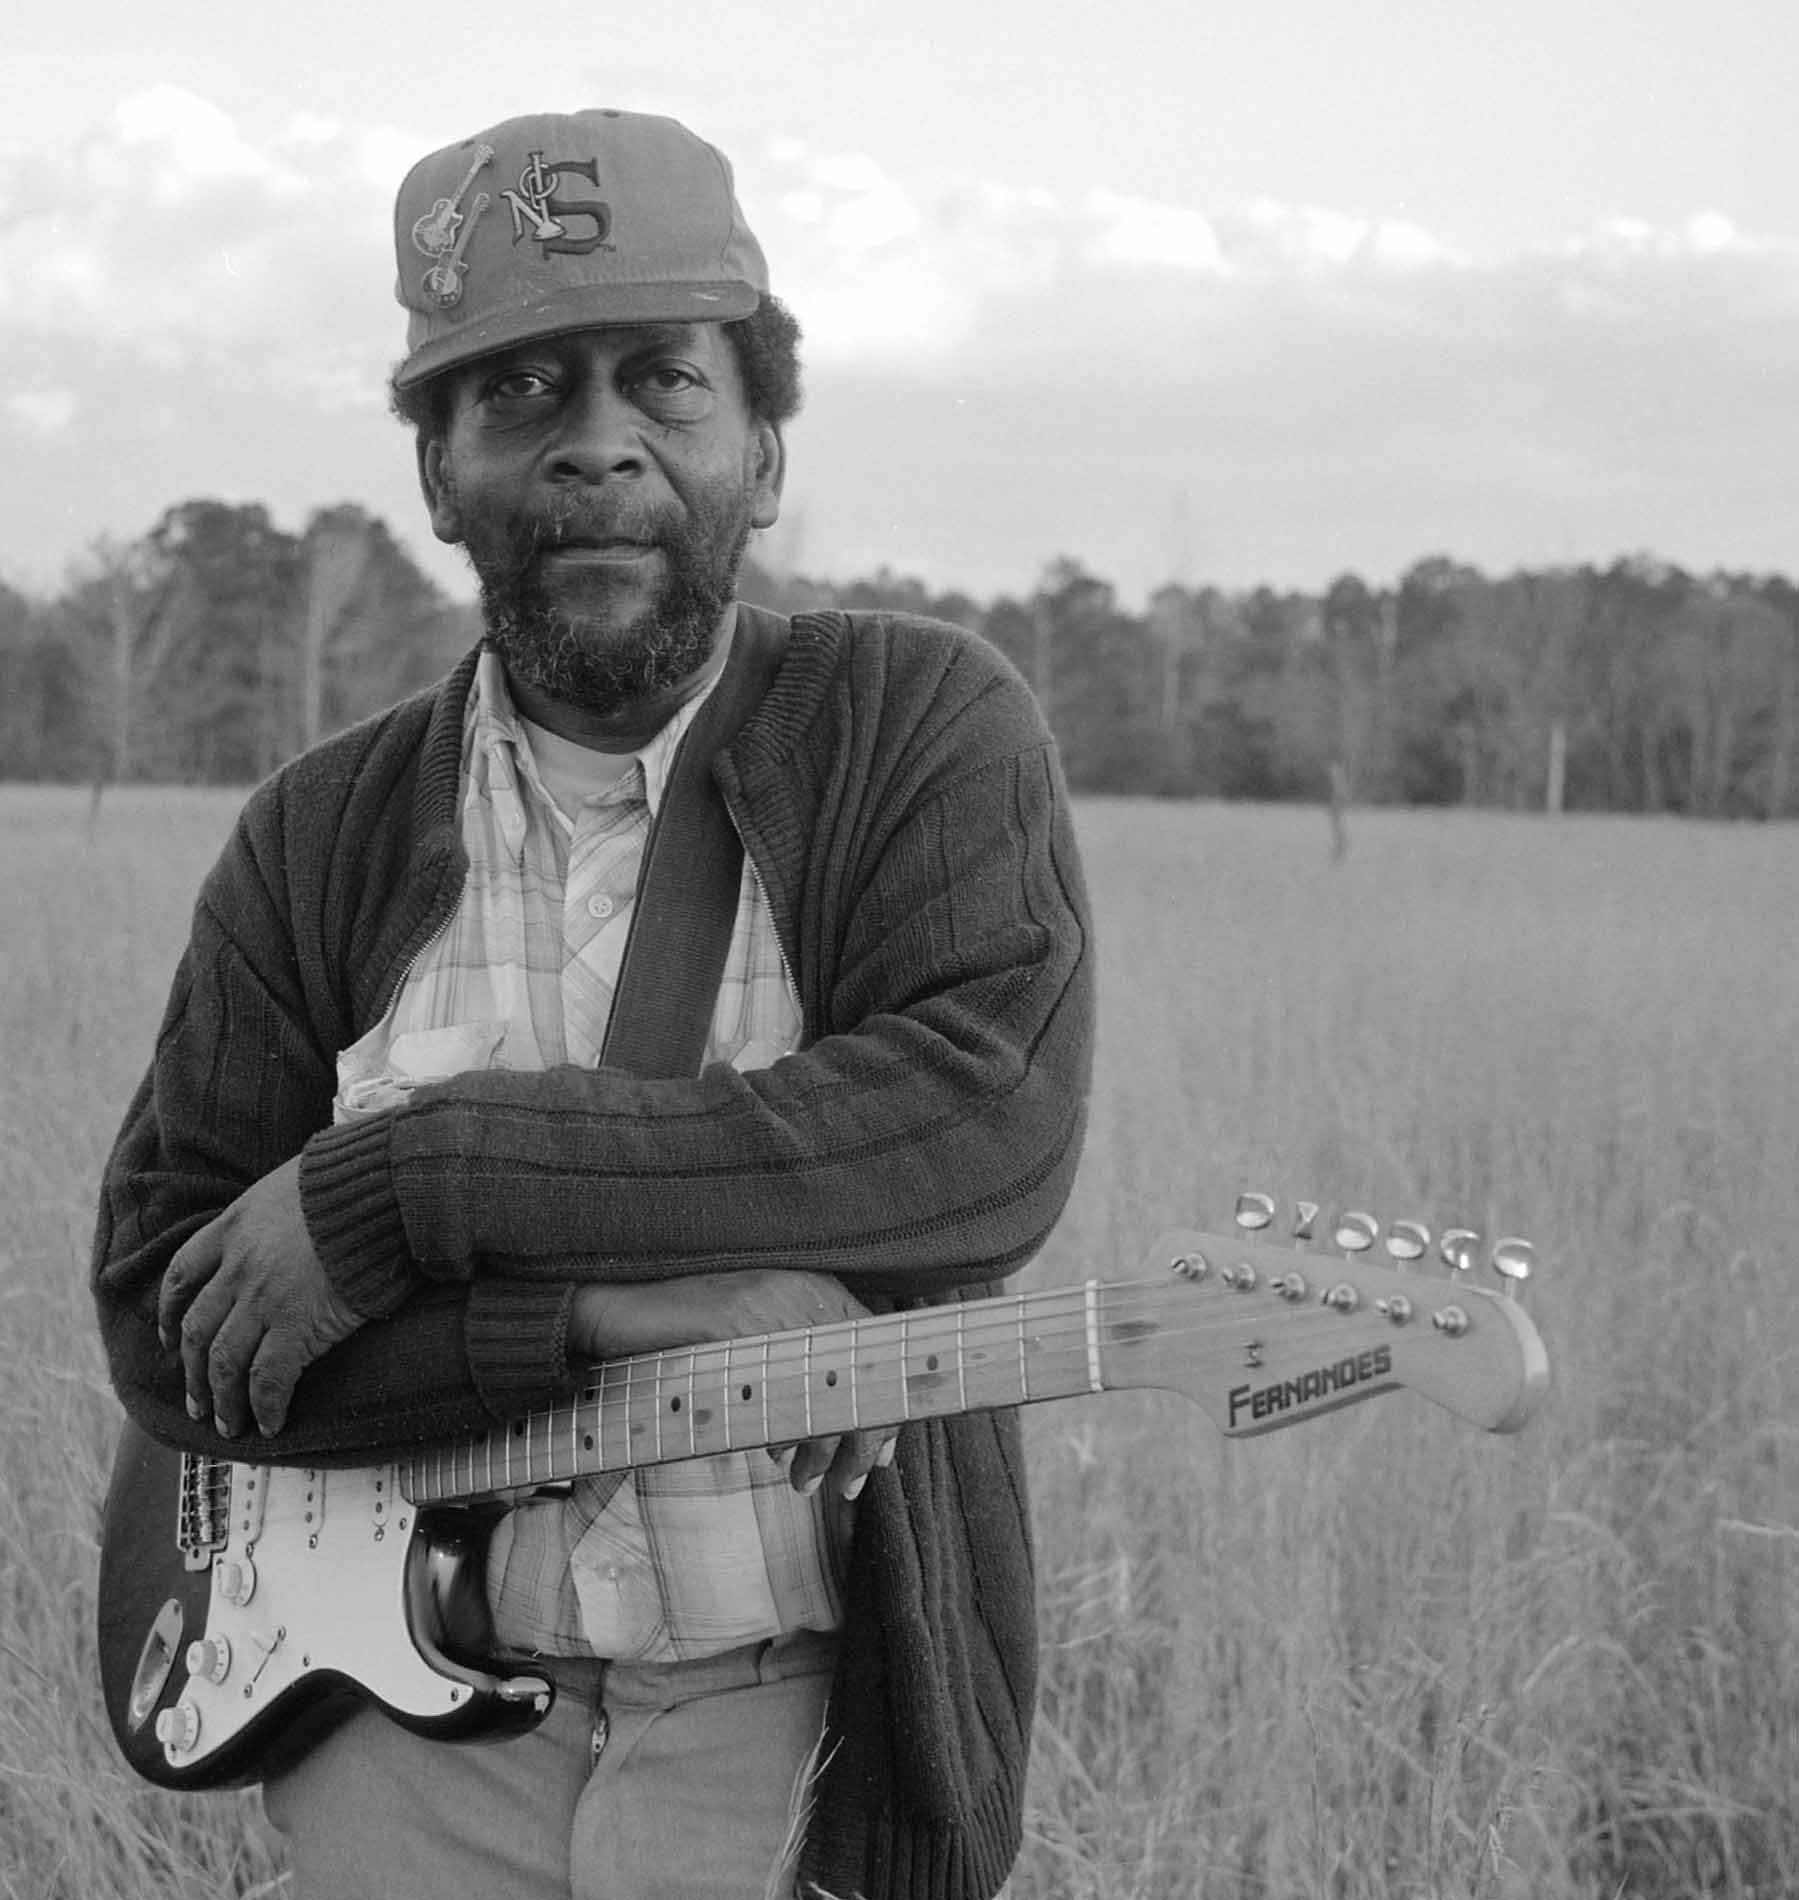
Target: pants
682, 1781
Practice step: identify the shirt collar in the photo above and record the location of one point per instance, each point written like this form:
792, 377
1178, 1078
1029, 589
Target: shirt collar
495, 736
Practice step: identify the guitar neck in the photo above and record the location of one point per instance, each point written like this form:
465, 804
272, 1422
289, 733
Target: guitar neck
779, 1388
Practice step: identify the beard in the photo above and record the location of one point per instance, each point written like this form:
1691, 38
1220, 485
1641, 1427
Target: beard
596, 653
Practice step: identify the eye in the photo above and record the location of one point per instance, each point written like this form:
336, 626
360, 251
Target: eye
672, 388
517, 385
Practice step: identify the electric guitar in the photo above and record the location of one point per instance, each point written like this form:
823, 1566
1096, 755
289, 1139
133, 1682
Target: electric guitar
246, 1608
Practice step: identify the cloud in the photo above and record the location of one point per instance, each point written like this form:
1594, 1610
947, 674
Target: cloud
173, 146
999, 372
43, 411
1144, 231
170, 233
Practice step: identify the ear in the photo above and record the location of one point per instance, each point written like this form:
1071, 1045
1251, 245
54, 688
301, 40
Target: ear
438, 490
768, 471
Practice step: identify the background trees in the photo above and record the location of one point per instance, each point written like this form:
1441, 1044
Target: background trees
217, 645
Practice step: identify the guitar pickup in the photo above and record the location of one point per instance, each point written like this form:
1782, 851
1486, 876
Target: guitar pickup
312, 1504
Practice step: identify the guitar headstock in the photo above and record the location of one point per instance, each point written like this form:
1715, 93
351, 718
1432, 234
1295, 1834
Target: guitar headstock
1284, 1334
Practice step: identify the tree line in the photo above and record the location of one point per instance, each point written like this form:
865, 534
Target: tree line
218, 645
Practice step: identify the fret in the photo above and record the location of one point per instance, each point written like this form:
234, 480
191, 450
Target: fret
730, 1388
693, 1437
961, 1360
806, 1382
1094, 1379
768, 1436
905, 1381
658, 1407
1024, 1381
855, 1338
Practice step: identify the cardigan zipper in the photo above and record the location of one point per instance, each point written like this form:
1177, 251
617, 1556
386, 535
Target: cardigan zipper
756, 878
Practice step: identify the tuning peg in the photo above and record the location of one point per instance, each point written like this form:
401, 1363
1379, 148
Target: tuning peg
1354, 1231
1408, 1240
1512, 1261
1254, 1212
1305, 1219
1456, 1247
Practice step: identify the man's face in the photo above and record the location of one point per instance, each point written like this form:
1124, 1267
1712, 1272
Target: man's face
604, 485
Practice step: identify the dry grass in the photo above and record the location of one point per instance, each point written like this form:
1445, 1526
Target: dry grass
1385, 1656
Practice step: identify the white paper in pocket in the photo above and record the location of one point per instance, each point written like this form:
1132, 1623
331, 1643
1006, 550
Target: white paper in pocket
365, 1086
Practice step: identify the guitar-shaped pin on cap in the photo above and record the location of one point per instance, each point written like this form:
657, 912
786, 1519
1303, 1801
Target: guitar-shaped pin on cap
435, 235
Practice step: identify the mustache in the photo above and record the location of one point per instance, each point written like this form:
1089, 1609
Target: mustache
582, 521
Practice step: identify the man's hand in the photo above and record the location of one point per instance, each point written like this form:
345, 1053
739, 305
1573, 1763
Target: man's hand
248, 1302
612, 1322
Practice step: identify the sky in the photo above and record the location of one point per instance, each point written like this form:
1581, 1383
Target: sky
1317, 288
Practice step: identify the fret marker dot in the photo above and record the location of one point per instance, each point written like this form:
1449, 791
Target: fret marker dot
931, 1363
674, 1404
587, 1441
747, 1391
830, 1378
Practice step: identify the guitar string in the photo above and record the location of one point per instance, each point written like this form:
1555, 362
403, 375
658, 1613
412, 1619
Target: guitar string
980, 1328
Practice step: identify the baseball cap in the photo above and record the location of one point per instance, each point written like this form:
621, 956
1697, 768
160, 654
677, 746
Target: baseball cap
561, 221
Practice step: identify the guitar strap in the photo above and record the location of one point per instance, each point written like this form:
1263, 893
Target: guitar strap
686, 904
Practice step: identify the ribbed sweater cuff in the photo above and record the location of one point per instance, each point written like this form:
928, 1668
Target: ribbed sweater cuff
967, 1859
516, 1334
347, 1197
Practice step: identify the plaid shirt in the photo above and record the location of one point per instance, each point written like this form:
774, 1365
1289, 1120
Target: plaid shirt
673, 1561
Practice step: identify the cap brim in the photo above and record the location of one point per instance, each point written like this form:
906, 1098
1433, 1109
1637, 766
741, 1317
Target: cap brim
581, 307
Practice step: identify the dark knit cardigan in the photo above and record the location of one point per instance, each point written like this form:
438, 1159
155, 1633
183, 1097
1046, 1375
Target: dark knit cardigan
900, 799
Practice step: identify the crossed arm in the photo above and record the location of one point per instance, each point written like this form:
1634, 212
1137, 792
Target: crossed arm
247, 1303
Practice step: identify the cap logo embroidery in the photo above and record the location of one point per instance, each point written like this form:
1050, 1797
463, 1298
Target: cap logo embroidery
539, 214
442, 283
435, 232
435, 235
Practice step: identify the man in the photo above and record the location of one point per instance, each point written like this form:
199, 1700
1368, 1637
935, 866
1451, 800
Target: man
386, 1181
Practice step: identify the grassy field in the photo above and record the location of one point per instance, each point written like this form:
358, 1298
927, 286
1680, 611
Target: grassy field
1381, 1656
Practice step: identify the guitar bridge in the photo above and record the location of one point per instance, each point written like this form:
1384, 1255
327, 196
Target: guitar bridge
203, 1525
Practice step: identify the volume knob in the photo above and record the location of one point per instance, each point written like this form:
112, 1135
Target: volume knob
236, 1581
210, 1657
178, 1728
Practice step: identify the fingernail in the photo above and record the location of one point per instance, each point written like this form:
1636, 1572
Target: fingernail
885, 1455
195, 1410
809, 1485
853, 1489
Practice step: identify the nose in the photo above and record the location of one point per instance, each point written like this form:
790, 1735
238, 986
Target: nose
600, 435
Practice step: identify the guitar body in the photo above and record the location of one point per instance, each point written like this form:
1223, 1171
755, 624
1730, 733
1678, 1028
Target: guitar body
246, 1609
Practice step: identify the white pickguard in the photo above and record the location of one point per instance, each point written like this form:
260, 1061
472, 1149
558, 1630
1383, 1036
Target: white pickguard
327, 1551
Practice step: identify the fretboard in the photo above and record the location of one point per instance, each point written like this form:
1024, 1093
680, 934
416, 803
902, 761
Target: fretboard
779, 1388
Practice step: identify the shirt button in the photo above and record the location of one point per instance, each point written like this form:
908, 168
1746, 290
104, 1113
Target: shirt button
600, 906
